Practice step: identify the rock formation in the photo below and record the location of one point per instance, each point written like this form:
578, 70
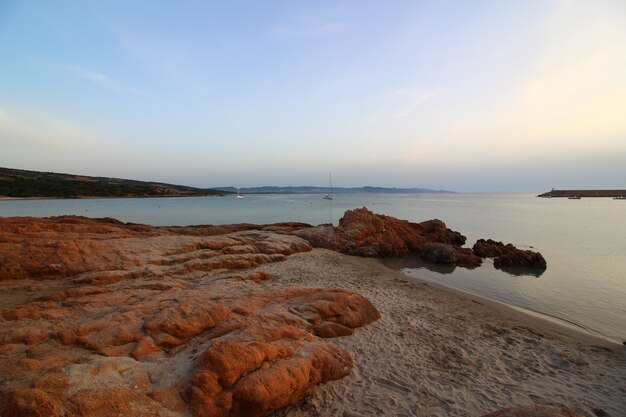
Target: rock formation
363, 233
444, 253
101, 318
82, 248
508, 255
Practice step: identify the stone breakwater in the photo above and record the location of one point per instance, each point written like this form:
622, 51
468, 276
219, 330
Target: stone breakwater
101, 318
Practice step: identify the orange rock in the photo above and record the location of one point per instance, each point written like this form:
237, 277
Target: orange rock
113, 402
363, 233
75, 246
169, 398
29, 402
129, 322
274, 363
143, 348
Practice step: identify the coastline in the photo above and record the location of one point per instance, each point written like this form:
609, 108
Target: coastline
538, 319
110, 197
437, 351
171, 297
535, 319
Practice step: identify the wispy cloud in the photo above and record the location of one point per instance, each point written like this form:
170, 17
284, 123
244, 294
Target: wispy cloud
41, 140
167, 58
312, 29
103, 80
44, 130
316, 23
399, 104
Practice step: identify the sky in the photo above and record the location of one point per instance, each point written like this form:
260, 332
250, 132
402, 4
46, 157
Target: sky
457, 95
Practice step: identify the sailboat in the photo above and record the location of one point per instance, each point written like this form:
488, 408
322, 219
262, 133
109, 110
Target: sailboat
330, 196
239, 195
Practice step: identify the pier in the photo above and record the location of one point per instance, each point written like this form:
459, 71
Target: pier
583, 193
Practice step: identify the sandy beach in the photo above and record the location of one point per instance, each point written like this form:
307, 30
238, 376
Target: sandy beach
100, 318
436, 352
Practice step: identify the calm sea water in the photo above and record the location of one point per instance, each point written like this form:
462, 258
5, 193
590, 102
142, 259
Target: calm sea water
583, 241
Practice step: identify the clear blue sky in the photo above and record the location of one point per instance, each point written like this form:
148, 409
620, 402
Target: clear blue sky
461, 95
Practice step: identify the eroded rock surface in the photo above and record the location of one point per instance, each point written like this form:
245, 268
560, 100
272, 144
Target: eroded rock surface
106, 250
101, 318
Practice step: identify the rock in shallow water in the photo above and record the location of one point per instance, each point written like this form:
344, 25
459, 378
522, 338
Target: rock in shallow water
443, 253
508, 255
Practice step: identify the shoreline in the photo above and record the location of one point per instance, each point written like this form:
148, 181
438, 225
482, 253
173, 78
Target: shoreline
108, 198
399, 345
536, 319
560, 324
437, 351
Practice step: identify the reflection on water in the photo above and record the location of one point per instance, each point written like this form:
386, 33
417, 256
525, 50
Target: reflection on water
520, 271
416, 263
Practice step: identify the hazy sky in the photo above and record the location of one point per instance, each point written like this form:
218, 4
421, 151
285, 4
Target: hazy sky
461, 95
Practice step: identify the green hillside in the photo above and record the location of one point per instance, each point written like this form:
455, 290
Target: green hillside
23, 184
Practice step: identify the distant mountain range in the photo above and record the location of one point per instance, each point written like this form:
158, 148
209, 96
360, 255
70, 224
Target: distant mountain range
325, 190
20, 183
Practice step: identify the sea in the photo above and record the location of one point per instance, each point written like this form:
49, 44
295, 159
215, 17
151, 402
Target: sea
583, 241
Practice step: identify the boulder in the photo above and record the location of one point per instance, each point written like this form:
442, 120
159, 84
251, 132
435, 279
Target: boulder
29, 402
444, 253
506, 256
440, 253
363, 233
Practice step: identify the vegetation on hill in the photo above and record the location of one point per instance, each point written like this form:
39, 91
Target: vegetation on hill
22, 184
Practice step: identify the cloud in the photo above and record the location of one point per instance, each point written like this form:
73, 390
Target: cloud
44, 131
567, 98
311, 30
399, 104
315, 23
44, 141
103, 79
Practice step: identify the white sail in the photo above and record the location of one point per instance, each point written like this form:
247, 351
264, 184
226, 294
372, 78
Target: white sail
331, 195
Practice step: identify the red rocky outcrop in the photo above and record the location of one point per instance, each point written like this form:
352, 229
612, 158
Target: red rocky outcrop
363, 233
108, 250
508, 255
101, 318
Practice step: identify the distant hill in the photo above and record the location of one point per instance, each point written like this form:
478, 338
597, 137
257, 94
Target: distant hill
24, 184
324, 190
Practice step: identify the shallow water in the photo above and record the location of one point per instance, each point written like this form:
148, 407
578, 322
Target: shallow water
583, 241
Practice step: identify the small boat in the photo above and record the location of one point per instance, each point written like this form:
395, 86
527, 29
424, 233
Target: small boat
239, 195
574, 197
331, 195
